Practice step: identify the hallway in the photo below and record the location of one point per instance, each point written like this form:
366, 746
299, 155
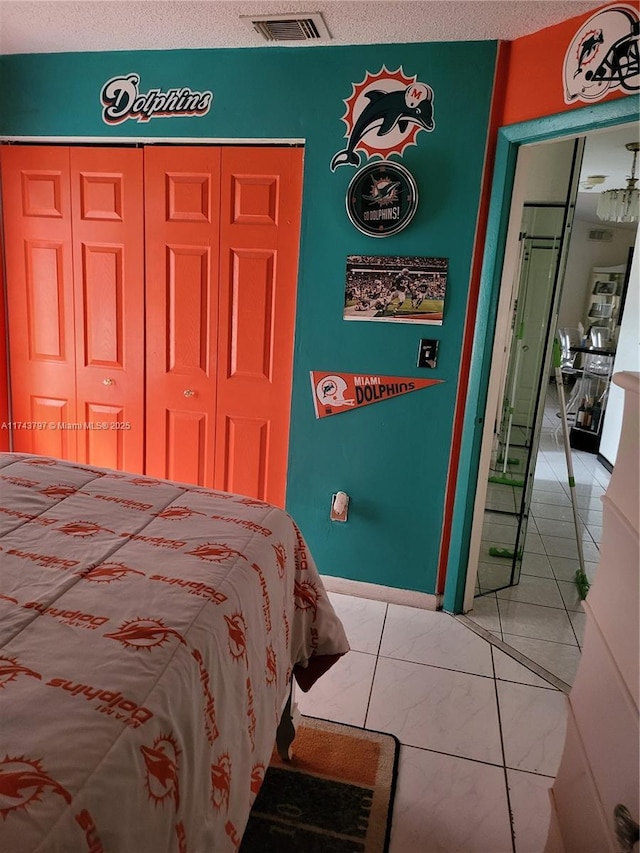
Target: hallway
542, 617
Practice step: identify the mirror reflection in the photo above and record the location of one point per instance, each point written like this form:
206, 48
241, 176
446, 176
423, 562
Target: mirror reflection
515, 435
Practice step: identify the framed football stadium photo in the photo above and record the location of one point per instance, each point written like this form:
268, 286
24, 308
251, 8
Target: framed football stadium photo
394, 289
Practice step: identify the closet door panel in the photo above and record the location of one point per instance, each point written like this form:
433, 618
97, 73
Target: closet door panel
182, 191
108, 233
38, 251
259, 239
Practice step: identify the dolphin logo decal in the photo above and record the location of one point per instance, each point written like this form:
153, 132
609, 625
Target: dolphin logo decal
161, 764
22, 782
385, 112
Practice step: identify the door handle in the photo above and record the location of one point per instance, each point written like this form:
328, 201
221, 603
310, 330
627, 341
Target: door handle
108, 382
189, 393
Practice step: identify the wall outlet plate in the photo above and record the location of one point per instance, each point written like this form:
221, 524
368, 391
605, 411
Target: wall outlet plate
428, 353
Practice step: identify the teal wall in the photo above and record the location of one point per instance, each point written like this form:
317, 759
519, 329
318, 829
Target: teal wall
392, 457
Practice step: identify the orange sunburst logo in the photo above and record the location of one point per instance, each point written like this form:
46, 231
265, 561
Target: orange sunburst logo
11, 668
23, 781
384, 114
161, 765
221, 782
144, 634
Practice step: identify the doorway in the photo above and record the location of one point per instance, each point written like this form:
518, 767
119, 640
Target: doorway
518, 141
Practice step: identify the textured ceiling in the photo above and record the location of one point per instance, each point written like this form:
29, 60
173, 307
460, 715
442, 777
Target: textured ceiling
53, 26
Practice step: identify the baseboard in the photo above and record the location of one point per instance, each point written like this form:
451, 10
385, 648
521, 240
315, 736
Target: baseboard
605, 462
376, 592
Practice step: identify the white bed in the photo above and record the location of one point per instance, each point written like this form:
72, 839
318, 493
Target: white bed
148, 636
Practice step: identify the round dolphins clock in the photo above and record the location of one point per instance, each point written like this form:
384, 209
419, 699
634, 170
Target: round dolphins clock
382, 198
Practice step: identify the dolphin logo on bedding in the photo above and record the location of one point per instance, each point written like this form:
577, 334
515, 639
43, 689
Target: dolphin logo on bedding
144, 634
108, 572
161, 763
58, 491
23, 781
398, 109
83, 528
10, 669
271, 671
221, 781
306, 596
257, 777
214, 551
237, 629
178, 512
281, 558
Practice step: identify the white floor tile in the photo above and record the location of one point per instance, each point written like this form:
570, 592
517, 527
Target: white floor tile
531, 810
570, 595
537, 565
424, 706
551, 498
554, 527
533, 722
533, 590
553, 511
508, 669
362, 619
536, 621
557, 546
591, 516
342, 694
578, 621
560, 659
437, 639
551, 486
485, 613
564, 568
491, 576
534, 543
445, 804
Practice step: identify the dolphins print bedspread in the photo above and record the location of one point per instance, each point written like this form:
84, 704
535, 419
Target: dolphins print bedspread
148, 634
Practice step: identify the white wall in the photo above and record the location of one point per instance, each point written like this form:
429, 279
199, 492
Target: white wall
548, 167
627, 358
583, 255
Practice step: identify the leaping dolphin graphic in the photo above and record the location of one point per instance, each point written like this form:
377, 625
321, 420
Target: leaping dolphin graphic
384, 112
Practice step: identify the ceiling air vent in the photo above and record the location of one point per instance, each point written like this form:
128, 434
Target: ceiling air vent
288, 27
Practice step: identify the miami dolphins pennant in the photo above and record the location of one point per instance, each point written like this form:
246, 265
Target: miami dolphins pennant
334, 393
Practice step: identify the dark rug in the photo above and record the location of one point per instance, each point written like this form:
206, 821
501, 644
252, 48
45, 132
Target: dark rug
334, 796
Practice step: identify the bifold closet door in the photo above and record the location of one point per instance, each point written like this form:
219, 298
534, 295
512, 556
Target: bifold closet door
182, 199
73, 227
261, 192
108, 238
39, 264
222, 237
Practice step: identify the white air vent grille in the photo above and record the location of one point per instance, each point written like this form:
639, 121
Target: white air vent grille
598, 234
289, 27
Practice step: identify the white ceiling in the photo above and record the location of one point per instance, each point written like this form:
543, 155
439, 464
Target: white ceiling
52, 26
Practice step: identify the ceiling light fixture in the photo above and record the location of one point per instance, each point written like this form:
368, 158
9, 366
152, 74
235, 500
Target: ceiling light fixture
622, 205
592, 181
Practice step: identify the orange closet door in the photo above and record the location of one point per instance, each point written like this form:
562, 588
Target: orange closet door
38, 251
182, 196
259, 238
108, 248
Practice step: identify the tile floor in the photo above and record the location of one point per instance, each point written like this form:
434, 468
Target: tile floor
542, 616
481, 734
